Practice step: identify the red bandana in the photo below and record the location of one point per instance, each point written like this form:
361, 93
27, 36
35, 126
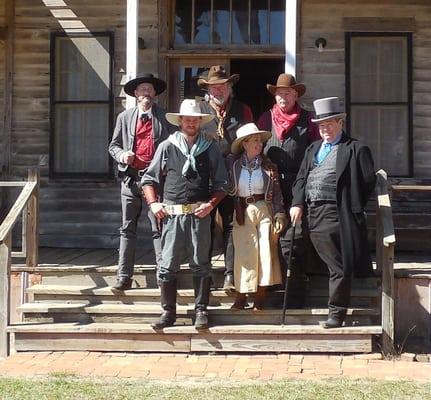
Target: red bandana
283, 122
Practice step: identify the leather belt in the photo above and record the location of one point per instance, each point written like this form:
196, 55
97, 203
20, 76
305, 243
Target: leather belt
318, 203
181, 209
135, 173
253, 198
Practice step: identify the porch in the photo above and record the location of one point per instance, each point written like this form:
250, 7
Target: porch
59, 299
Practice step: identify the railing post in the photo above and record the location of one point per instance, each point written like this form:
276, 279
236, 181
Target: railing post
32, 230
5, 263
385, 244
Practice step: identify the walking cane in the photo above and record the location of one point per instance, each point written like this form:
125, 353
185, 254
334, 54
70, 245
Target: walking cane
289, 264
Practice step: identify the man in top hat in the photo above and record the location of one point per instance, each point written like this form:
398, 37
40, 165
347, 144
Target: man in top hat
138, 132
292, 132
334, 183
188, 172
229, 114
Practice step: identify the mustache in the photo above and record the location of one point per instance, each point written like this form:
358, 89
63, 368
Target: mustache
219, 100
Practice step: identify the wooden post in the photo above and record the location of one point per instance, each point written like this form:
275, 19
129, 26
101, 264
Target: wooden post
32, 230
291, 32
8, 83
132, 46
385, 257
5, 263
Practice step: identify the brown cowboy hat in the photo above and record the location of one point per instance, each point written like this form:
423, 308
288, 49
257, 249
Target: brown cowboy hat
286, 81
217, 75
158, 84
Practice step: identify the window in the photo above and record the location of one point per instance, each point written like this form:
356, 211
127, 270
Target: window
379, 97
81, 105
229, 22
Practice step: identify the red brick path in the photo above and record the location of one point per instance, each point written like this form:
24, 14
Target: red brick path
233, 367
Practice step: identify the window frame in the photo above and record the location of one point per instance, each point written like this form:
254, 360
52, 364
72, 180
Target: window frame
210, 47
408, 103
88, 176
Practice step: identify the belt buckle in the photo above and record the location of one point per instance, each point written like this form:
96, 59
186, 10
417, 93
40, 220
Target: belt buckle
186, 208
249, 200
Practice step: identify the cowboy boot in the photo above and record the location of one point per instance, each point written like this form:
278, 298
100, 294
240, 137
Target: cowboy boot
335, 319
240, 301
229, 284
121, 284
202, 295
259, 298
168, 299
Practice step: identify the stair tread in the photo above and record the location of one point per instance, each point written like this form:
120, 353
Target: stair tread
77, 290
97, 327
101, 308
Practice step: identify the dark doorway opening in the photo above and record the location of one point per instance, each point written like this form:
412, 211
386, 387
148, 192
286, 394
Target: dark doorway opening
255, 74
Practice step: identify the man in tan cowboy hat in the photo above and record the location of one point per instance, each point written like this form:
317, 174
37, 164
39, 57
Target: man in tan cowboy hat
188, 172
229, 114
334, 183
137, 134
292, 132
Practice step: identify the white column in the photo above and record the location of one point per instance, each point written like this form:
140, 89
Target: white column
132, 46
290, 38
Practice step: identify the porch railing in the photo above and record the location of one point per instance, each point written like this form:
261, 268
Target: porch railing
26, 204
385, 246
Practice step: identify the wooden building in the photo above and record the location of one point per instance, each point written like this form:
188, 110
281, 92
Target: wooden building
63, 65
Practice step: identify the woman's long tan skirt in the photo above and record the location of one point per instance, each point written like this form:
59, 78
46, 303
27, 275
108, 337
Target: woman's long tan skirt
256, 256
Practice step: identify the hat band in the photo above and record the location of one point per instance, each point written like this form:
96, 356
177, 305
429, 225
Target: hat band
327, 115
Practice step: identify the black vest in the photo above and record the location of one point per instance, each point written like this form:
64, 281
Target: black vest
233, 120
193, 187
288, 155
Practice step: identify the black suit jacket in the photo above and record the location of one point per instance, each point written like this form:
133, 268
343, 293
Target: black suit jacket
356, 179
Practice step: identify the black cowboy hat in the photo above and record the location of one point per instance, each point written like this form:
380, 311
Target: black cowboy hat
159, 85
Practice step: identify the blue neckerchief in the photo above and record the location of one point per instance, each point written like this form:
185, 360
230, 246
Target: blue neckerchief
201, 144
325, 149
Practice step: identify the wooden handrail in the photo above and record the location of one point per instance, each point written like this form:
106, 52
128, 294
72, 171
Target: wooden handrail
385, 247
28, 205
13, 215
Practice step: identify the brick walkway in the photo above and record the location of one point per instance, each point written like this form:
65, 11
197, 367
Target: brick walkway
179, 367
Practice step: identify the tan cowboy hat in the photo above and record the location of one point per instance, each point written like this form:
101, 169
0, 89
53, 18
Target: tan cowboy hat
245, 132
217, 75
158, 84
327, 108
286, 81
188, 108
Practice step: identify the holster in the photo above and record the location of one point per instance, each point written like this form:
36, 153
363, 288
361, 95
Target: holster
239, 205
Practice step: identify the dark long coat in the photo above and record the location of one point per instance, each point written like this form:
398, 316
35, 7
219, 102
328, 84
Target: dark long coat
355, 182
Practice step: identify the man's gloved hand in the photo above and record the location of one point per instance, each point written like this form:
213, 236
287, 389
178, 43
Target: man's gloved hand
280, 222
158, 210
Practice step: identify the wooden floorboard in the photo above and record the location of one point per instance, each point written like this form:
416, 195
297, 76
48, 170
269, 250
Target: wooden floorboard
140, 337
115, 328
278, 343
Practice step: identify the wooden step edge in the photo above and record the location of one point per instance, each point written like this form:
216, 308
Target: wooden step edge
77, 290
71, 268
121, 328
106, 308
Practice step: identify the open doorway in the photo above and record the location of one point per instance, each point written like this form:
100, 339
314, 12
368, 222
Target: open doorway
255, 74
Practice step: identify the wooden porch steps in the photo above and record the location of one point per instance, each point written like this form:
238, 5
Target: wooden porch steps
146, 313
222, 338
363, 296
73, 308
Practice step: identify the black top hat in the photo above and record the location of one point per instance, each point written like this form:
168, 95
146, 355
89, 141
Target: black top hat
159, 85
